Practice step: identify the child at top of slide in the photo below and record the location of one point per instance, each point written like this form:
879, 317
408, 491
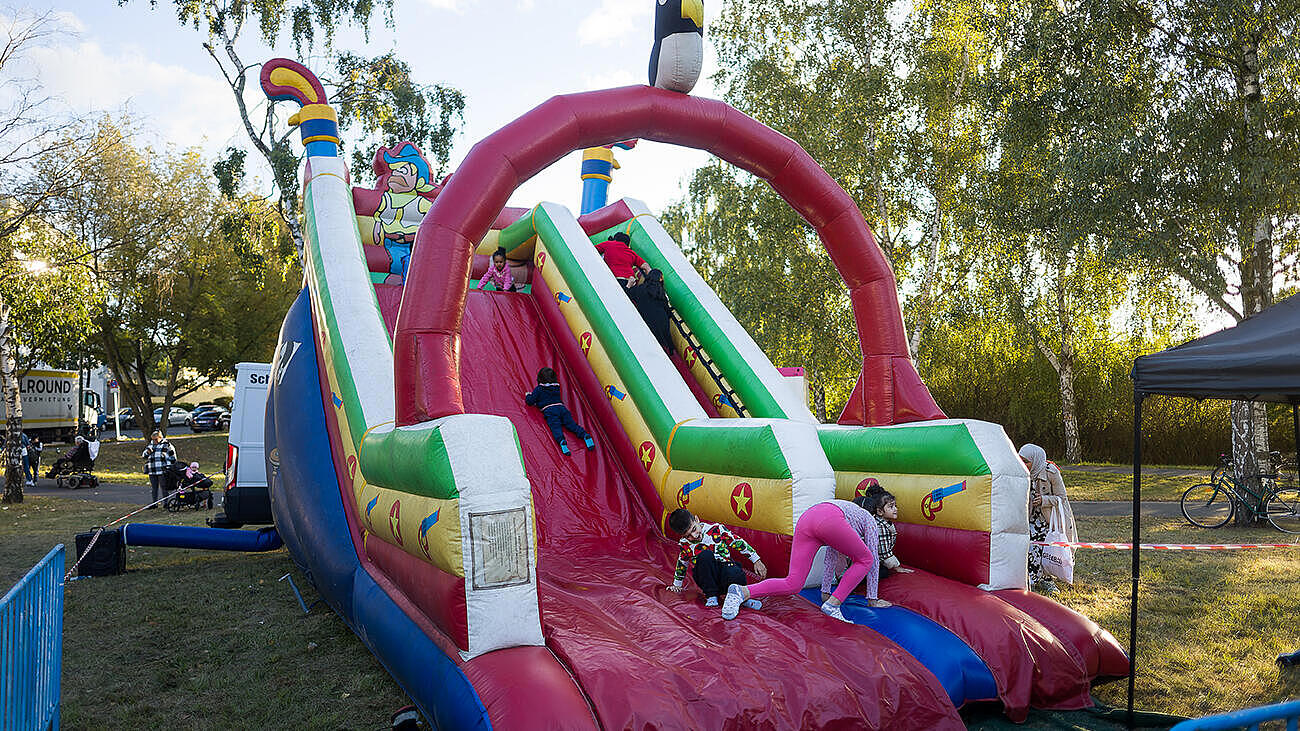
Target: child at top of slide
546, 397
620, 258
498, 273
847, 531
708, 546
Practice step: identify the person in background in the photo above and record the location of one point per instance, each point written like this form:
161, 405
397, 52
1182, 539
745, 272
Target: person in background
80, 452
158, 456
621, 260
498, 273
34, 459
1046, 491
25, 448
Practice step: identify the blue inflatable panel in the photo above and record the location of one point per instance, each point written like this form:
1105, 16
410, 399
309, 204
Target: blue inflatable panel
962, 673
309, 514
187, 536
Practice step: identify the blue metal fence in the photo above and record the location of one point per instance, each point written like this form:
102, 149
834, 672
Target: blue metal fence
1250, 718
31, 647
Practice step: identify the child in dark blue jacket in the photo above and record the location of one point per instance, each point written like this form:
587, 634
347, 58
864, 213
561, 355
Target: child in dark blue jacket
547, 398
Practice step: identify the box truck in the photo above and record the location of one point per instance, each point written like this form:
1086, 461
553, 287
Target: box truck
56, 407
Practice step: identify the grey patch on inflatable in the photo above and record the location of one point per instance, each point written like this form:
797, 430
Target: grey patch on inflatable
681, 58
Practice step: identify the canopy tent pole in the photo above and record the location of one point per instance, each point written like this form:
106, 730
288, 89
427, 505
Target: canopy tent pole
1137, 555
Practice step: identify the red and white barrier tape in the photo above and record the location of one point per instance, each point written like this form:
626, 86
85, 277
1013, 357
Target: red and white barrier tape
1167, 546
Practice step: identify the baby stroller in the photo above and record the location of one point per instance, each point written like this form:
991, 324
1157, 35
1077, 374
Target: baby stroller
193, 489
76, 471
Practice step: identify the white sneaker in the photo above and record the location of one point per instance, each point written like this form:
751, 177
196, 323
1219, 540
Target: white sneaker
752, 604
833, 610
731, 605
711, 601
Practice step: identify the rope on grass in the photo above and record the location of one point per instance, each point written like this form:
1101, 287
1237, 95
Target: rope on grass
100, 531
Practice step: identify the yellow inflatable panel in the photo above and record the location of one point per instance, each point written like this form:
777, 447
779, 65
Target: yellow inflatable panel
950, 501
425, 527
701, 375
740, 501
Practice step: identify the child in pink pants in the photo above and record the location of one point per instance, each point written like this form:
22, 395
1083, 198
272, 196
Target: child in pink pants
847, 531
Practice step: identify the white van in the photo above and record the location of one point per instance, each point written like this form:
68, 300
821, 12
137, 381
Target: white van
247, 499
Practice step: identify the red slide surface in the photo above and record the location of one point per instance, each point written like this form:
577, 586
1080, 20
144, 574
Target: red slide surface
643, 655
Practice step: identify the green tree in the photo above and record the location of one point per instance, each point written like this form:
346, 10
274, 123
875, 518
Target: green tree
375, 96
30, 128
1073, 83
185, 282
948, 55
827, 76
380, 104
1220, 196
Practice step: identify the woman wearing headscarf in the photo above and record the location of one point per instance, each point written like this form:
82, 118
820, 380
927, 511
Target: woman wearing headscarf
1046, 491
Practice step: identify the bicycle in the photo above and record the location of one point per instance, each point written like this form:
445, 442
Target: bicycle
1284, 468
1212, 504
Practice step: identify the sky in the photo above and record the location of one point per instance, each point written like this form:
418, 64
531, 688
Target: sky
507, 56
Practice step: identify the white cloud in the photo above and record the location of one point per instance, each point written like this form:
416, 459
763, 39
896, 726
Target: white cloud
183, 106
611, 79
69, 22
456, 6
613, 20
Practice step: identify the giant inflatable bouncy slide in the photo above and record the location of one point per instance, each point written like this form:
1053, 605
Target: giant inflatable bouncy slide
506, 585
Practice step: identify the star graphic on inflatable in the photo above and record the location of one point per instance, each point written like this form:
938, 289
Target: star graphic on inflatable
742, 501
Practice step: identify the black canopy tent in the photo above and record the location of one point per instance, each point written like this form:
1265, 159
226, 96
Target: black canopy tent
1256, 360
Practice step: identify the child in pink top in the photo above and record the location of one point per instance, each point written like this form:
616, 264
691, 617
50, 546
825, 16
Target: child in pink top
498, 274
848, 532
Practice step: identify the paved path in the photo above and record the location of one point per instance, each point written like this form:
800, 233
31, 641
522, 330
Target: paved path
105, 493
1115, 508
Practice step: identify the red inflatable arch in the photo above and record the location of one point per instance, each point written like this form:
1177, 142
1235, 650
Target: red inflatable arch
427, 339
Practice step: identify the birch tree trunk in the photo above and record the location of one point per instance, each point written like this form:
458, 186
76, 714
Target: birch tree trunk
13, 458
1250, 420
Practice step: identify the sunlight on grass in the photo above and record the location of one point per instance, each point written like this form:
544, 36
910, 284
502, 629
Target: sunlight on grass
1210, 624
119, 463
1081, 485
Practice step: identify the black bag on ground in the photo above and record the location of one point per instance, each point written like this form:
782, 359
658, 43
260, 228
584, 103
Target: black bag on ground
107, 558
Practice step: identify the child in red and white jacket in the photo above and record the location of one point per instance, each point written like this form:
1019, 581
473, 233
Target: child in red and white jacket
708, 547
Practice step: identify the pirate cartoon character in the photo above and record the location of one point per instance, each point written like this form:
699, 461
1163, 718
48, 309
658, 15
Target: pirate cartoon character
402, 206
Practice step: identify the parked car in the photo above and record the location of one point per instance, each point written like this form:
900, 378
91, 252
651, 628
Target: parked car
209, 419
175, 417
126, 418
197, 411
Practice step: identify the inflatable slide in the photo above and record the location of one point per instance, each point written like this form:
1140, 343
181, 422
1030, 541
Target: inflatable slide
507, 585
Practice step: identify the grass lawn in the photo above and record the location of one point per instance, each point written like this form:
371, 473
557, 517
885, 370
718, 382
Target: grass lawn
1081, 485
119, 463
193, 639
196, 639
1210, 624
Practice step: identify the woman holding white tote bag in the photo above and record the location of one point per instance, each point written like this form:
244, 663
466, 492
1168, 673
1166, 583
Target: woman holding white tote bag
1047, 496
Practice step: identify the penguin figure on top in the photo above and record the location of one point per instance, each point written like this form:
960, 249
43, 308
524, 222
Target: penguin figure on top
677, 56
